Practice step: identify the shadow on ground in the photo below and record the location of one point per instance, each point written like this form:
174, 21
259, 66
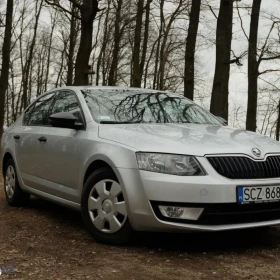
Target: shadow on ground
197, 242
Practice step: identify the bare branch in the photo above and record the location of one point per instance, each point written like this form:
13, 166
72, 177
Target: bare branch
266, 41
211, 9
2, 23
56, 4
270, 58
273, 85
241, 22
237, 59
269, 71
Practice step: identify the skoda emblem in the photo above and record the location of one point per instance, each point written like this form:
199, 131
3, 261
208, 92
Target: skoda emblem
256, 152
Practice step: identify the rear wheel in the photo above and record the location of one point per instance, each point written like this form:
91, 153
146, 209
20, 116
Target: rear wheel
14, 194
104, 208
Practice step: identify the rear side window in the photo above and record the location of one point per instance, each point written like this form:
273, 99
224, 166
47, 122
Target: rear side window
66, 101
38, 114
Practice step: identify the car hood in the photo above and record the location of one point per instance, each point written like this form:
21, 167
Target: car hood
191, 139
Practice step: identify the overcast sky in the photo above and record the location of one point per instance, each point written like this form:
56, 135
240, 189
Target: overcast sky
238, 78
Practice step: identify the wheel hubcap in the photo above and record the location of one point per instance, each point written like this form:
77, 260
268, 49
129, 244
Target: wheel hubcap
10, 181
107, 207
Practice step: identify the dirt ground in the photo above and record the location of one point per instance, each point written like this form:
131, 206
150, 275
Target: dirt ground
46, 241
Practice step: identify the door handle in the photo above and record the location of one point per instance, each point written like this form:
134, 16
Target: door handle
42, 139
17, 137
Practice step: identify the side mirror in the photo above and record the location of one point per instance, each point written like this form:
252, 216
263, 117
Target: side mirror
222, 120
65, 120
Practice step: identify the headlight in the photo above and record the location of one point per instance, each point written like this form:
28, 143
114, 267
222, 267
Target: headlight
169, 164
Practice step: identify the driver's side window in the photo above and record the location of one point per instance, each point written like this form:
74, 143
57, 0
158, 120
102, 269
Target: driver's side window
66, 101
38, 113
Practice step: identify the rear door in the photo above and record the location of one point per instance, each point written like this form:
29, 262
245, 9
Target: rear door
60, 157
27, 139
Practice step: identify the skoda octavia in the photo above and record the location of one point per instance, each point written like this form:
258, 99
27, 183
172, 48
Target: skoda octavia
140, 160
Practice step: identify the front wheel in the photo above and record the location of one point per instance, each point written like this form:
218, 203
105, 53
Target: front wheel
14, 194
104, 208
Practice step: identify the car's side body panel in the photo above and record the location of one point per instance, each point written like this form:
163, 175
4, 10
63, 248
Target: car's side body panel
26, 152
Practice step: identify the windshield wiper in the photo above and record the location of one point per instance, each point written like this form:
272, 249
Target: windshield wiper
115, 122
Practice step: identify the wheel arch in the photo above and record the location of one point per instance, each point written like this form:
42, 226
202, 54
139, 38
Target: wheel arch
6, 157
94, 165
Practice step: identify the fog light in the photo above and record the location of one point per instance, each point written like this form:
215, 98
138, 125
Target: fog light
181, 212
171, 212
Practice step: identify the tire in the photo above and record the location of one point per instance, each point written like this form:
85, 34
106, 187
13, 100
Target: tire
104, 209
14, 194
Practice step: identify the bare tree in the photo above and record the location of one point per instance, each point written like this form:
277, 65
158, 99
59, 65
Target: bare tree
135, 77
6, 52
117, 39
27, 67
53, 24
219, 99
253, 67
138, 61
255, 59
190, 49
88, 10
104, 40
165, 41
72, 45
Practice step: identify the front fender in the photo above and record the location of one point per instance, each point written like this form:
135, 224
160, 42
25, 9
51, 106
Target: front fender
113, 154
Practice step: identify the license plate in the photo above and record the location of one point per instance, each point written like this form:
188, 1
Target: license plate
257, 194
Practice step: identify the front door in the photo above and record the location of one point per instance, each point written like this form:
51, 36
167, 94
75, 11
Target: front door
60, 156
26, 139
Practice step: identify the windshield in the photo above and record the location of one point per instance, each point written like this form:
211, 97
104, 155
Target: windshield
138, 106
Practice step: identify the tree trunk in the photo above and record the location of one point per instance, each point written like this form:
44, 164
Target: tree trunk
49, 52
219, 99
82, 60
155, 81
112, 79
164, 48
6, 53
104, 44
58, 80
148, 63
278, 123
136, 75
146, 37
30, 57
253, 68
89, 10
72, 44
190, 50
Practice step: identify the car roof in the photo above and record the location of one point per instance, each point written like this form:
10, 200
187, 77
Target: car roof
108, 87
81, 88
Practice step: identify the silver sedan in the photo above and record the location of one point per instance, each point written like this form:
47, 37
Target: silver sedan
140, 160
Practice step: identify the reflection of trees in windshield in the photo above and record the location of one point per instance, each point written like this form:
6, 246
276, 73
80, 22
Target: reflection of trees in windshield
145, 107
151, 108
38, 113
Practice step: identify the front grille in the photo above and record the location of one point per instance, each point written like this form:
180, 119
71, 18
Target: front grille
246, 168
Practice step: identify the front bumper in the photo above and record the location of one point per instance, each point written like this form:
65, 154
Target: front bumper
145, 190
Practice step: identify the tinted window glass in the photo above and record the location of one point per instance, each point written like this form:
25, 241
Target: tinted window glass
138, 106
39, 113
67, 102
27, 115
